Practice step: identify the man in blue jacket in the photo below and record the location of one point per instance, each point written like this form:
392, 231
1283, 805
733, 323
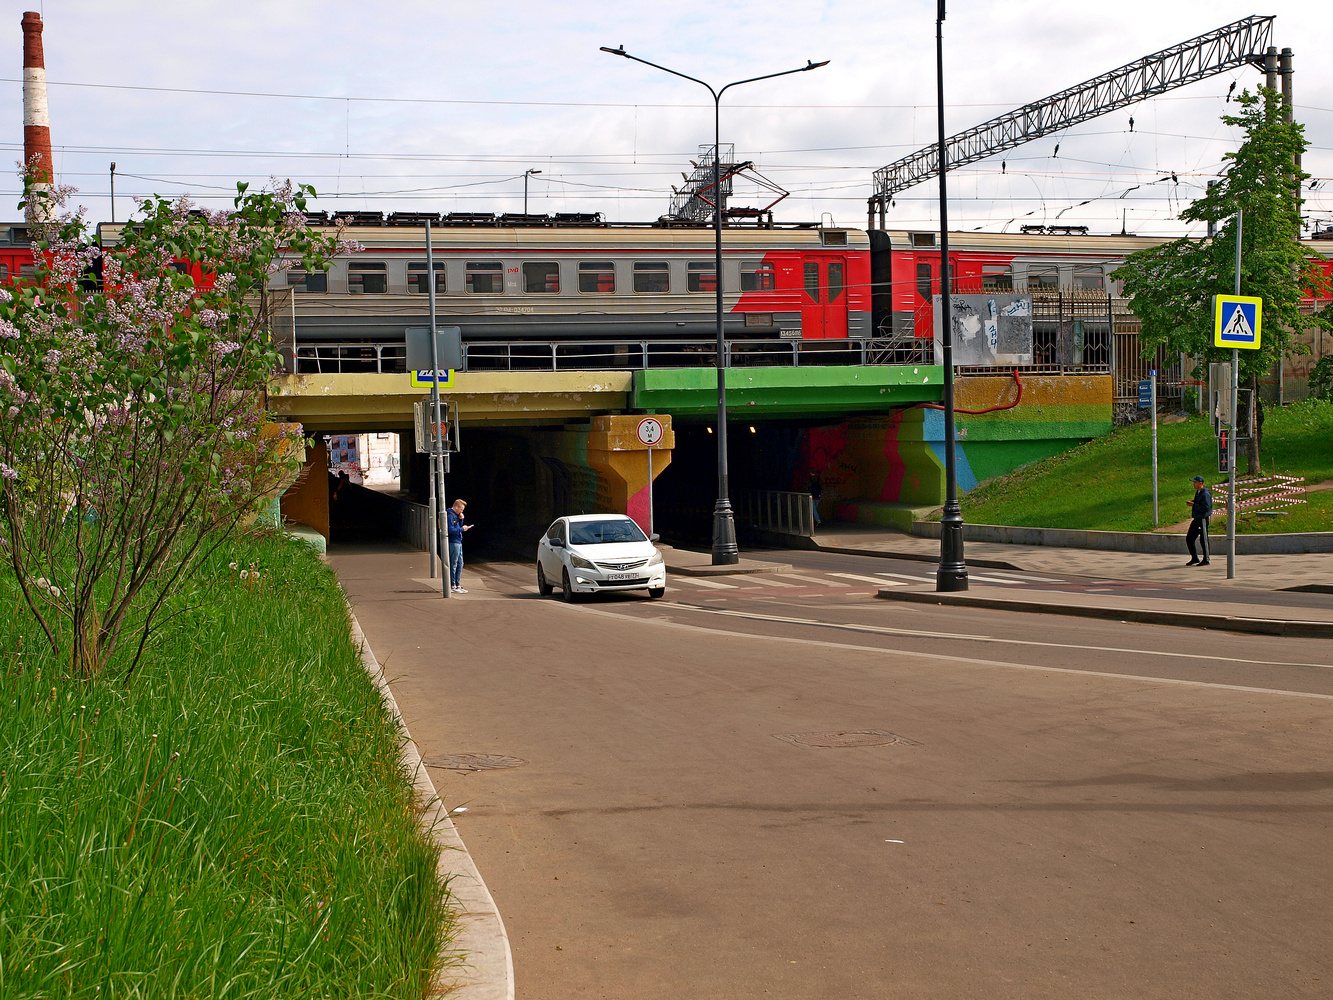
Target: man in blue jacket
1201, 509
454, 519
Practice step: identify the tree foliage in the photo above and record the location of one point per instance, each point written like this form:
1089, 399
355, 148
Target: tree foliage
134, 423
1171, 286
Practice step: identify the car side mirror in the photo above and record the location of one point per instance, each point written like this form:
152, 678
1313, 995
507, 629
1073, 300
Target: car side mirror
556, 543
654, 537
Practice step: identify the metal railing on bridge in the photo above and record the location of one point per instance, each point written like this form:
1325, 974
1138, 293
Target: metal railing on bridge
777, 511
599, 355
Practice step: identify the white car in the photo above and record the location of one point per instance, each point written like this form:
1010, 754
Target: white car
596, 553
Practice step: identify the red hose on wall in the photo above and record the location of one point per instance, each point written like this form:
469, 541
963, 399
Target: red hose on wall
990, 409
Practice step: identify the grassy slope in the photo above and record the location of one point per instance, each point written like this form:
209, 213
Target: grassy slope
278, 856
1107, 483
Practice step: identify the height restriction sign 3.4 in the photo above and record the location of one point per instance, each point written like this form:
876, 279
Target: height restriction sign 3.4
649, 431
1237, 320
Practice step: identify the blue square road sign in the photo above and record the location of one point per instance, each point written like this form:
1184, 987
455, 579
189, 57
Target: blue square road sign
1237, 320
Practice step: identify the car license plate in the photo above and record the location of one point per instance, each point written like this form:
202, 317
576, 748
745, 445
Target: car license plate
619, 577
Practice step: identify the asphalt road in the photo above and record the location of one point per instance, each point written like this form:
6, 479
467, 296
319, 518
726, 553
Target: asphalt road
1052, 807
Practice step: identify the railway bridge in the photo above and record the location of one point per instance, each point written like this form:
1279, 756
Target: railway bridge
539, 443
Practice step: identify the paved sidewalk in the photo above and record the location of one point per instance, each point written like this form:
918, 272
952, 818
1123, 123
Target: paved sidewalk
1253, 572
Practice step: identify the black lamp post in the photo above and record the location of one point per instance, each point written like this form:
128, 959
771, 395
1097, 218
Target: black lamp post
952, 572
724, 522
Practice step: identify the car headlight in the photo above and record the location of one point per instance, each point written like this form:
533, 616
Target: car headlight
578, 561
656, 559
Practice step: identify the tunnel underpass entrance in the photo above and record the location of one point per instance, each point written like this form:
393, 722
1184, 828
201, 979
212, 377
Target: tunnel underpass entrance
764, 455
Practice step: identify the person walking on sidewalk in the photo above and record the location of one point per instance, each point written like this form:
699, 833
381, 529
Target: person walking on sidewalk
1201, 509
454, 519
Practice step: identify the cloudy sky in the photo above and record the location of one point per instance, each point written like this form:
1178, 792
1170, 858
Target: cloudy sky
441, 106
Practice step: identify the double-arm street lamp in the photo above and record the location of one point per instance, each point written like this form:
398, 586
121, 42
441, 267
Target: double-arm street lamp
724, 522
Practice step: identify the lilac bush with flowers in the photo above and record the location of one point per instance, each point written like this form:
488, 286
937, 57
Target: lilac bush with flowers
134, 432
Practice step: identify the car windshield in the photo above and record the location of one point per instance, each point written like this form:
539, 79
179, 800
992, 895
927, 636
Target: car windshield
620, 529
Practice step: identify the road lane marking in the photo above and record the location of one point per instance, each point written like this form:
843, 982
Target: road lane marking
914, 579
926, 634
977, 661
870, 579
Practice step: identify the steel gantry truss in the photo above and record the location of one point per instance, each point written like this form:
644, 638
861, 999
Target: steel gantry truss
694, 202
1238, 44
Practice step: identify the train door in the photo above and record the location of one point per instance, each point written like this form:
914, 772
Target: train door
924, 305
812, 303
824, 299
835, 313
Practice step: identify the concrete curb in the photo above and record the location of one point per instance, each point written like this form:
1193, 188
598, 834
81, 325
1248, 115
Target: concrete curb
489, 972
1131, 541
850, 550
1185, 619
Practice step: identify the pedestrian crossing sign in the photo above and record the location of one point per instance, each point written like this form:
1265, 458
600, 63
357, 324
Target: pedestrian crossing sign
426, 379
1237, 320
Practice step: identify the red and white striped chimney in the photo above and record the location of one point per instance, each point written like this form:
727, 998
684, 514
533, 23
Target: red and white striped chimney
36, 121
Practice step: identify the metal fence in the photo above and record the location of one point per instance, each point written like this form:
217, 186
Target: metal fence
1131, 367
600, 355
779, 512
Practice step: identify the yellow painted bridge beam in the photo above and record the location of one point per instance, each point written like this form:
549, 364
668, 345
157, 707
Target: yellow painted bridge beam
327, 404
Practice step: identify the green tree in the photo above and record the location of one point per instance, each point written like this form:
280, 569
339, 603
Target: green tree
133, 427
1171, 286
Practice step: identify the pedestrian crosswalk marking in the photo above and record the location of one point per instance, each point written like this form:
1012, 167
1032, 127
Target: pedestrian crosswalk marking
870, 579
816, 580
703, 583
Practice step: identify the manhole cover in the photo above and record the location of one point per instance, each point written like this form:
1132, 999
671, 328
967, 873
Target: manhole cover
474, 761
847, 738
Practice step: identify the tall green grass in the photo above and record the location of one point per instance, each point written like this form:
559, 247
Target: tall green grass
234, 823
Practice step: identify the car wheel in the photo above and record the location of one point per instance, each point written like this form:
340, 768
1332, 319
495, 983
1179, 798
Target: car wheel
543, 587
656, 592
567, 590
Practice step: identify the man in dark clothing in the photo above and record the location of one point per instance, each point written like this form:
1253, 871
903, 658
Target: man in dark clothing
1201, 509
816, 491
454, 522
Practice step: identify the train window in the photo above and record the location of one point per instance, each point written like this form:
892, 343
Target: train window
1088, 279
370, 277
308, 281
923, 239
757, 276
179, 266
597, 276
541, 277
651, 276
812, 281
996, 278
702, 276
484, 277
4, 272
416, 276
1042, 278
27, 271
836, 286
924, 285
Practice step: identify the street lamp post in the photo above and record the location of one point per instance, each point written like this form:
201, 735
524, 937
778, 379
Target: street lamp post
952, 572
526, 174
725, 551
